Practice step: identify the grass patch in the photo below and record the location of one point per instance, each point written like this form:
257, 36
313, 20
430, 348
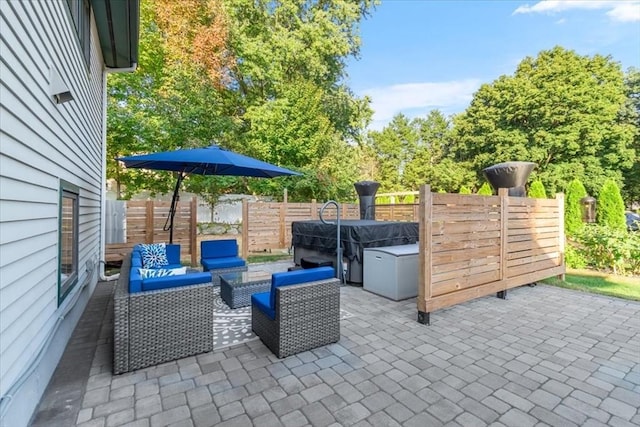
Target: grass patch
599, 283
254, 259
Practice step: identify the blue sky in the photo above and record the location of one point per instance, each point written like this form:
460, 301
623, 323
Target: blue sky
419, 55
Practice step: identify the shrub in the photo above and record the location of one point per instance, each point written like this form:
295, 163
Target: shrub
485, 190
574, 258
606, 248
409, 199
464, 190
610, 207
572, 209
536, 190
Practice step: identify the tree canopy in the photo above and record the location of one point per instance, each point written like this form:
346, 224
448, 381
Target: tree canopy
261, 78
559, 110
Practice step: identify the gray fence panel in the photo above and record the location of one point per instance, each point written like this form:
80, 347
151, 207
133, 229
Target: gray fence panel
116, 221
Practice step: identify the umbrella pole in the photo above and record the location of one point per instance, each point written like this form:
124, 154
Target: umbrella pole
174, 204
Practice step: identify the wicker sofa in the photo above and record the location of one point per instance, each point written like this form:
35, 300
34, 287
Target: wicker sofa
300, 312
156, 326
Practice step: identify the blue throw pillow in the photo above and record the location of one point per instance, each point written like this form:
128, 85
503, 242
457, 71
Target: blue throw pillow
154, 255
148, 273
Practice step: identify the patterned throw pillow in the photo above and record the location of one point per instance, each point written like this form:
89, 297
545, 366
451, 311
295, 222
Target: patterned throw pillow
154, 255
148, 273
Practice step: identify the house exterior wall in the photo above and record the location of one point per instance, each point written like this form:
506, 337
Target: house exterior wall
42, 143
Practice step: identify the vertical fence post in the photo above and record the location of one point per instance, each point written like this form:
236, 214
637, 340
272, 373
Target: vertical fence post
561, 236
314, 209
424, 253
282, 223
504, 230
193, 235
149, 222
245, 228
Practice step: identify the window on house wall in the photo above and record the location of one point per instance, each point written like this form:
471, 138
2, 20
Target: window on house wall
68, 239
81, 16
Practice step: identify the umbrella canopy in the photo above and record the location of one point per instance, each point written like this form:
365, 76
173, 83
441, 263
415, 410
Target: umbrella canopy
212, 160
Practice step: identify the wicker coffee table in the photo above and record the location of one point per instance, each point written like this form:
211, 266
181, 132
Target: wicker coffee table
236, 288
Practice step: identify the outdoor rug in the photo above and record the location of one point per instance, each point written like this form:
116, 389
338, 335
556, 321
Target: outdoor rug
232, 327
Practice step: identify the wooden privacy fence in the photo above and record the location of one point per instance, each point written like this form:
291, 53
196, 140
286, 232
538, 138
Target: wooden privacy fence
267, 225
145, 220
472, 246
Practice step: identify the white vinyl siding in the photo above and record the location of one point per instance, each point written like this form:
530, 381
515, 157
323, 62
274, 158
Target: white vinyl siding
42, 143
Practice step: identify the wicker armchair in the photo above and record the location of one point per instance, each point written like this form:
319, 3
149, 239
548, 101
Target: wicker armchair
307, 315
154, 327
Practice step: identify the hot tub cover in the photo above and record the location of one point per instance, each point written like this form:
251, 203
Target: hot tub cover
355, 235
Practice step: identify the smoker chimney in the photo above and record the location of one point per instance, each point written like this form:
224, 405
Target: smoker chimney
367, 193
511, 175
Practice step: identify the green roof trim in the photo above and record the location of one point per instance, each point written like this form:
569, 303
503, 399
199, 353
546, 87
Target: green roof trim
118, 23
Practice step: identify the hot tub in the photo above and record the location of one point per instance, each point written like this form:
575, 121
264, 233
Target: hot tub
313, 238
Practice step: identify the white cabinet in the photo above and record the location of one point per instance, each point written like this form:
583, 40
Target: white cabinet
391, 271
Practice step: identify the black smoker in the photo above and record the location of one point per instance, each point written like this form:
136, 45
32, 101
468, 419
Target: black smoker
511, 175
367, 193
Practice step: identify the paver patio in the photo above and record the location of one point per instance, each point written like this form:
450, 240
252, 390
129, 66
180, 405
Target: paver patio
544, 356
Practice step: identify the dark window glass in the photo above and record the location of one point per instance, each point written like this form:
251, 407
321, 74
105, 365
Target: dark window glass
68, 240
81, 17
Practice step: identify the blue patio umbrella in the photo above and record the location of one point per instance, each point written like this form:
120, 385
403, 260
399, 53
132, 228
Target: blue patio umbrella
213, 160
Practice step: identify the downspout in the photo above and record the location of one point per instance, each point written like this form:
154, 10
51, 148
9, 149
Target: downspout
103, 201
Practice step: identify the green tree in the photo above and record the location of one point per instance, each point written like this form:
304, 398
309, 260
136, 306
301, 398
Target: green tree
395, 147
485, 189
168, 103
287, 95
536, 190
573, 208
559, 110
610, 208
631, 114
464, 190
432, 147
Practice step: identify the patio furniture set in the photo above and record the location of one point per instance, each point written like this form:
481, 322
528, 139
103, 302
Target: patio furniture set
162, 312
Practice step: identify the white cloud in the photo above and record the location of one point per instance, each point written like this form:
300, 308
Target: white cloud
629, 12
621, 10
413, 99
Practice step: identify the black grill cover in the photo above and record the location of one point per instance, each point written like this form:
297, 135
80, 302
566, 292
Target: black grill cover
355, 235
511, 175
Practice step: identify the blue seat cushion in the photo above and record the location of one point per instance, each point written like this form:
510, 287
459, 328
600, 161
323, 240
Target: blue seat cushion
175, 281
173, 254
225, 248
135, 280
295, 277
261, 301
217, 263
136, 260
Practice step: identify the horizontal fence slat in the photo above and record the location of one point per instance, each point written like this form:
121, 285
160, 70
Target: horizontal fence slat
465, 282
